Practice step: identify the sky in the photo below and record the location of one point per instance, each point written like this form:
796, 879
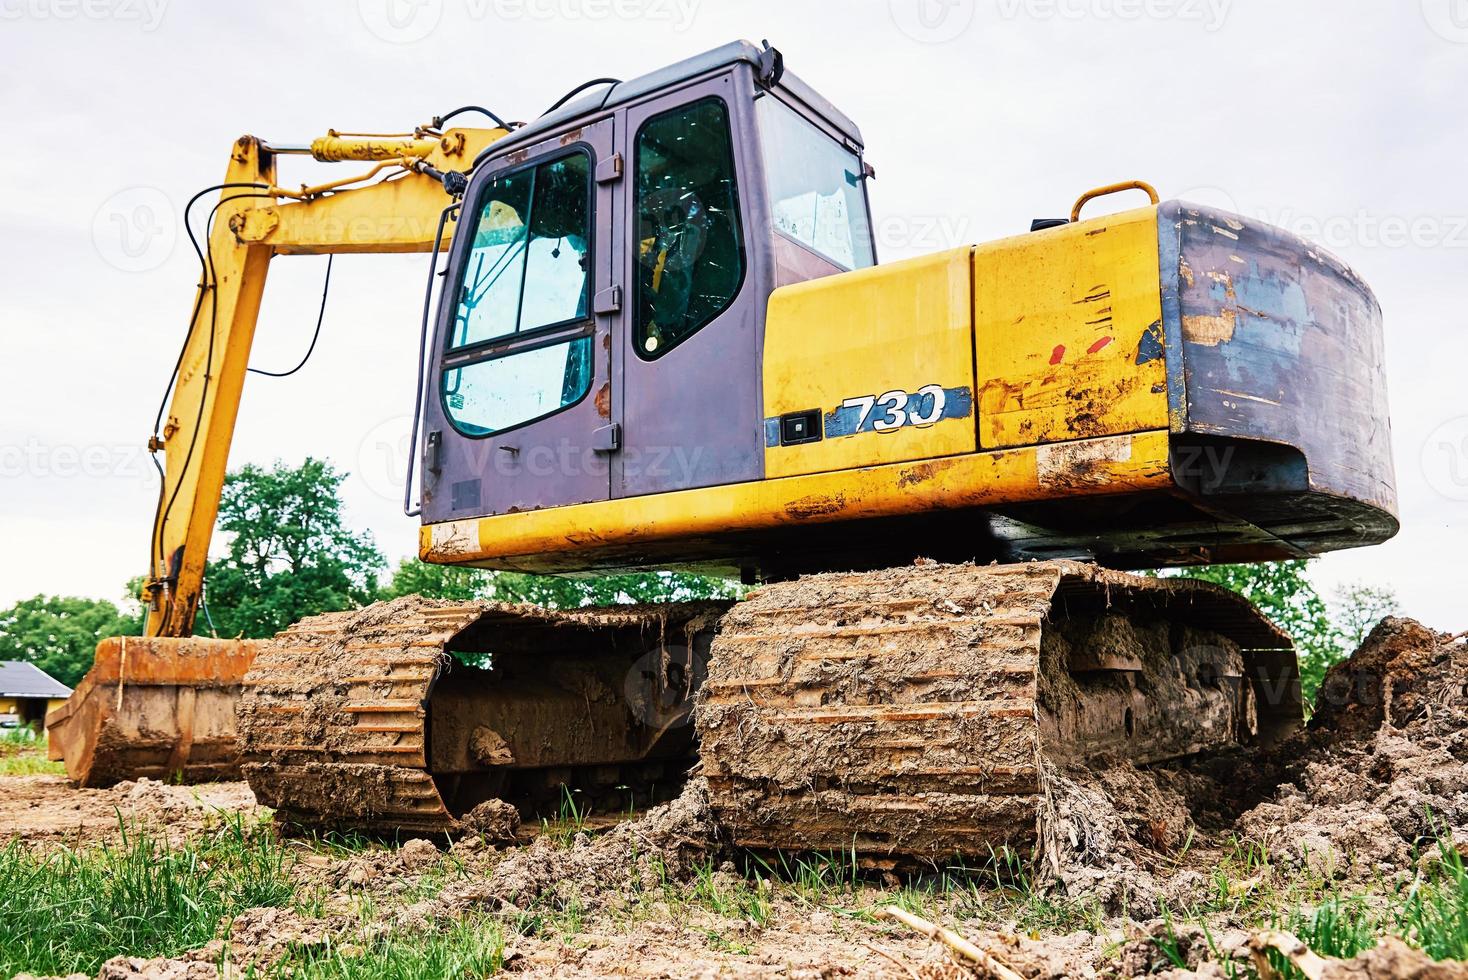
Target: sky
1340, 120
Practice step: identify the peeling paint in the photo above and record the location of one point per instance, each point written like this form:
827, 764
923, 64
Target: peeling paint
454, 538
1210, 331
1068, 465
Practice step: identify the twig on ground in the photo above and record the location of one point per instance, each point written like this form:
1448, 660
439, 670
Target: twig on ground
952, 940
894, 958
1292, 948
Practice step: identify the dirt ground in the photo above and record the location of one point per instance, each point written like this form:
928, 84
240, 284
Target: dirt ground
1352, 803
47, 810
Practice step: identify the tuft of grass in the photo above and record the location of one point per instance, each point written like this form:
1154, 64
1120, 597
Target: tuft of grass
569, 821
730, 897
468, 949
1434, 915
65, 911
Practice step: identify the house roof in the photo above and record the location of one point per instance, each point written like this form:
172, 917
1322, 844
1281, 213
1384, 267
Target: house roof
19, 679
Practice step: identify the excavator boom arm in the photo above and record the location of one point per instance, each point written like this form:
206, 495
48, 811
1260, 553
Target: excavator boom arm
394, 207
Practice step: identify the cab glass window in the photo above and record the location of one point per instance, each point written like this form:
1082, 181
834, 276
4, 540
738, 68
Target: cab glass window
690, 248
528, 269
529, 264
502, 392
815, 187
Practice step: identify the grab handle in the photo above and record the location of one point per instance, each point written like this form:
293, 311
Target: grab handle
1129, 185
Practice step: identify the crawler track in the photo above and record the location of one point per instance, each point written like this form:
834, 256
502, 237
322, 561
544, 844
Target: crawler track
914, 713
364, 720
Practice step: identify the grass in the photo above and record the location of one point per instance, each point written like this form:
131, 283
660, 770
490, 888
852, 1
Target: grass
64, 911
569, 821
469, 949
23, 753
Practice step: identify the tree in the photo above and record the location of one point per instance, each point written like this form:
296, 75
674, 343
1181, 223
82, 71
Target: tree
290, 553
413, 577
1357, 608
1284, 594
59, 634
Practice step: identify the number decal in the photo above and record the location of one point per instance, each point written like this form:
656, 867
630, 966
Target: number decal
893, 410
939, 399
863, 402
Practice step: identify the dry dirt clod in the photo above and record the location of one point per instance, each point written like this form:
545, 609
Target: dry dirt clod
418, 854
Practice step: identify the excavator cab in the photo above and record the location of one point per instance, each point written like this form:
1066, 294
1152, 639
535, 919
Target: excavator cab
599, 335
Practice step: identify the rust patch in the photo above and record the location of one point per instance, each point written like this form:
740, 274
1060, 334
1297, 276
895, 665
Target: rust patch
1210, 331
571, 137
921, 473
819, 505
604, 400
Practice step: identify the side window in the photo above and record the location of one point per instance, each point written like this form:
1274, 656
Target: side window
528, 268
502, 392
690, 249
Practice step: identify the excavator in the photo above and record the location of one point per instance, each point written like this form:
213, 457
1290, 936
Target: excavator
656, 335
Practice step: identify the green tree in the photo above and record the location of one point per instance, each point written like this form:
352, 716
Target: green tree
1282, 592
59, 634
290, 553
1356, 608
413, 577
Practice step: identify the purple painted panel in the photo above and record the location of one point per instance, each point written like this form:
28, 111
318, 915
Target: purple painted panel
564, 457
693, 417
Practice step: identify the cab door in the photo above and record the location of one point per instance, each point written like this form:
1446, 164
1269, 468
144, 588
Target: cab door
518, 402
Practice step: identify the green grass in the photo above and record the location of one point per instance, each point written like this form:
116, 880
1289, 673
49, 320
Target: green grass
23, 753
467, 949
64, 911
569, 821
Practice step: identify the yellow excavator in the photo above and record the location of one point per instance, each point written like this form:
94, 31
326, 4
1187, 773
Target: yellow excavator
656, 335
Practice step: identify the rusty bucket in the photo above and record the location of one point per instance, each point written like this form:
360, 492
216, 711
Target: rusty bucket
162, 707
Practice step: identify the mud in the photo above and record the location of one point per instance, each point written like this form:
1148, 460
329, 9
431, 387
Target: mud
1382, 770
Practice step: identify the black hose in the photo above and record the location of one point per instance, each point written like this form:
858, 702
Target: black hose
320, 315
438, 121
419, 379
578, 90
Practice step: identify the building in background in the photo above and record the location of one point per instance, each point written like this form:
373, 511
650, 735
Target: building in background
26, 693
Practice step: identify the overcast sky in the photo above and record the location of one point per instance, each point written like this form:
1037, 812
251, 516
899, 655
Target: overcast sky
1343, 120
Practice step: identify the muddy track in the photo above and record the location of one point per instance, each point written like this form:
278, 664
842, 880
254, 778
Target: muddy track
364, 719
915, 713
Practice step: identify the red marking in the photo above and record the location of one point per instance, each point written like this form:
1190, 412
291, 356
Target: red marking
1098, 345
1057, 354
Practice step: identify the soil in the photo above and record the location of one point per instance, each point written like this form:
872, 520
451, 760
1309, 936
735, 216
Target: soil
1381, 771
48, 810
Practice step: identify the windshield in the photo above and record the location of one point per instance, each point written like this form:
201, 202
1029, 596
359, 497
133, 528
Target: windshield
815, 187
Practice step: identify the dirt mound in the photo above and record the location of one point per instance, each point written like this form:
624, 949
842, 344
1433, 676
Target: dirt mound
49, 810
1382, 771
1379, 775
